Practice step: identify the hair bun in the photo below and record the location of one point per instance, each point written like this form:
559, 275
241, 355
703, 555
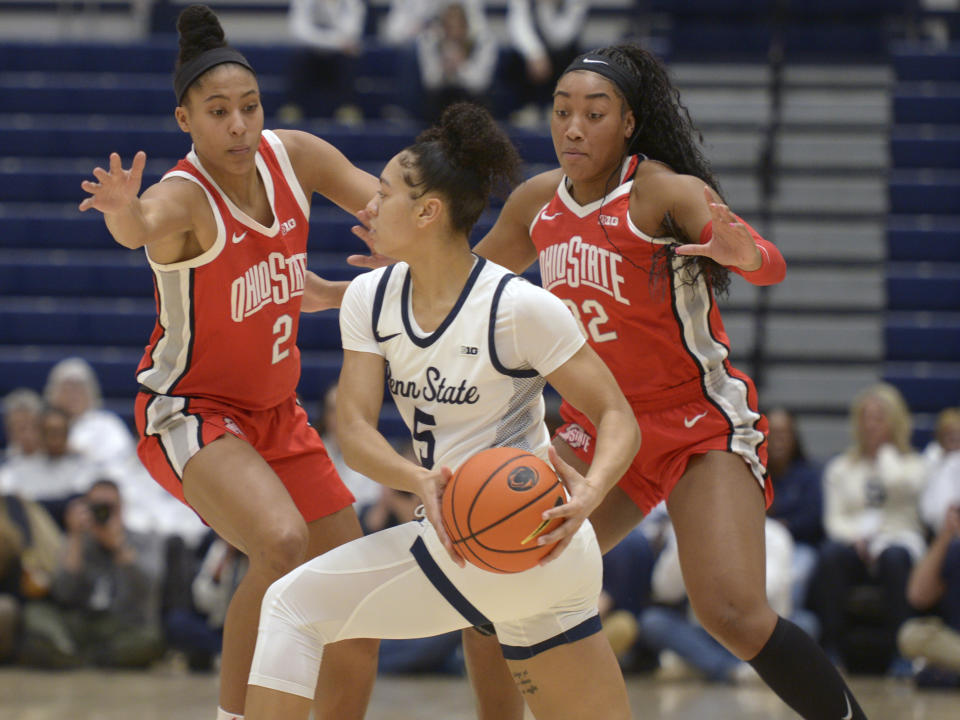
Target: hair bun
199, 30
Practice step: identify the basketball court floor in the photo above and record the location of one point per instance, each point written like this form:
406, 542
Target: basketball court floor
172, 695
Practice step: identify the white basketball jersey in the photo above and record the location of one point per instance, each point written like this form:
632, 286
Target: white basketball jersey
453, 391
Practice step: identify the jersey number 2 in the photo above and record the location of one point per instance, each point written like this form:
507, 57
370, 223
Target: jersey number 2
282, 329
592, 329
421, 419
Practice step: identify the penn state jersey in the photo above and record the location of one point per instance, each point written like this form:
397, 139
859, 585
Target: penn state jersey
476, 381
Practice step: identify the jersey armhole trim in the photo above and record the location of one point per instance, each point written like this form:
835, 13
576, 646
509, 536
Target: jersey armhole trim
286, 167
207, 256
491, 334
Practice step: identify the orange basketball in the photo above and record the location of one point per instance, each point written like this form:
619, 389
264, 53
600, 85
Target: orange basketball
492, 508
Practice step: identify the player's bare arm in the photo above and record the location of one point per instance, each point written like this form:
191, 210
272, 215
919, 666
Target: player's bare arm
159, 219
692, 204
508, 242
323, 169
618, 440
366, 450
320, 294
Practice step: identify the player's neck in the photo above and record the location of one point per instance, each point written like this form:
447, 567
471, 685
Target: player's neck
437, 281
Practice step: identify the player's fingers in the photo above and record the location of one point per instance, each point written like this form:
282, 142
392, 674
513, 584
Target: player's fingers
89, 186
100, 174
86, 204
115, 164
692, 249
449, 546
139, 163
557, 550
364, 261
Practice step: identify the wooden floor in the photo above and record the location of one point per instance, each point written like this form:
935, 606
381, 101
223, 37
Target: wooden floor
169, 695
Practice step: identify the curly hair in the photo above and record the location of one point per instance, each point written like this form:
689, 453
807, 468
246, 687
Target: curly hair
199, 30
665, 132
466, 157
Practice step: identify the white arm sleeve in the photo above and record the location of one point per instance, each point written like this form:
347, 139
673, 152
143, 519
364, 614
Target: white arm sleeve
534, 329
356, 314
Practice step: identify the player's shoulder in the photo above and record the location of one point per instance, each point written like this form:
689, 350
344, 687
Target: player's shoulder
657, 183
535, 192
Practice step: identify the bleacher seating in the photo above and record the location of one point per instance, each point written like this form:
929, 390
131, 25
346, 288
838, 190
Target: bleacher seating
923, 236
65, 287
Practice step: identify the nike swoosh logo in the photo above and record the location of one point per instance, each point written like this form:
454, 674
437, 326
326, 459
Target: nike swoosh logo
849, 714
384, 338
599, 62
239, 238
544, 216
690, 422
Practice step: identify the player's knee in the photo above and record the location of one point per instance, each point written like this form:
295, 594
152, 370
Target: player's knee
735, 621
284, 549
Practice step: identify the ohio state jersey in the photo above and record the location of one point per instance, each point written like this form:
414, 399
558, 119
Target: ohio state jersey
227, 319
654, 333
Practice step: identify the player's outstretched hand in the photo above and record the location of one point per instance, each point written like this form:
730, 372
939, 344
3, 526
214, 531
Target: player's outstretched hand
584, 498
374, 260
731, 243
431, 493
115, 188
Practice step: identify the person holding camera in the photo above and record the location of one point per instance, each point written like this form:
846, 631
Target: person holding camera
106, 591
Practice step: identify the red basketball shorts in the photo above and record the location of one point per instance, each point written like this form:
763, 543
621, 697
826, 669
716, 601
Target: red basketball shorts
173, 429
691, 420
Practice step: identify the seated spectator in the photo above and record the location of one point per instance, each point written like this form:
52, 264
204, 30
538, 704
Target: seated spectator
53, 476
546, 38
935, 586
367, 492
105, 592
457, 60
95, 432
671, 628
30, 545
946, 436
943, 480
21, 422
798, 497
873, 529
323, 72
194, 620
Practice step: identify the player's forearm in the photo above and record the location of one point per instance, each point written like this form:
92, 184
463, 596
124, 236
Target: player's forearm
128, 226
320, 294
368, 452
618, 441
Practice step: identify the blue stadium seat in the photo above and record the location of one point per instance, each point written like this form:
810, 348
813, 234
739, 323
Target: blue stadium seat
924, 191
936, 103
926, 147
923, 286
922, 337
914, 63
925, 237
927, 387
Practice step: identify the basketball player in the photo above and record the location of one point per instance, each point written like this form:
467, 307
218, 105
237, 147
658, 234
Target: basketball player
465, 348
225, 232
631, 234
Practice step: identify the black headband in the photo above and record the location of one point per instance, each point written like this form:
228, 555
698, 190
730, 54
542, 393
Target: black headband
190, 71
613, 72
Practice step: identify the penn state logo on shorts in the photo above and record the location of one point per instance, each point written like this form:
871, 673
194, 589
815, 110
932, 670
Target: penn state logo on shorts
522, 478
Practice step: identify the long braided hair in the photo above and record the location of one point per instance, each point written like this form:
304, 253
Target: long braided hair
665, 132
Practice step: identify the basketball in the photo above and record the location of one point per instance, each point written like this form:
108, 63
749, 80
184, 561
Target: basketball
492, 509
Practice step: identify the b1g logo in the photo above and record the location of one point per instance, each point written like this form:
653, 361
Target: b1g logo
522, 478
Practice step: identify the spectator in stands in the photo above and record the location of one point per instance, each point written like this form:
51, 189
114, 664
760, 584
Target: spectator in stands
366, 491
323, 72
106, 591
870, 516
943, 480
195, 624
95, 432
21, 423
457, 60
30, 544
545, 35
935, 586
797, 498
53, 476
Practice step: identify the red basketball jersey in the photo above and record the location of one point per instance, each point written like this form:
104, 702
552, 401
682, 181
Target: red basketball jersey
656, 334
227, 320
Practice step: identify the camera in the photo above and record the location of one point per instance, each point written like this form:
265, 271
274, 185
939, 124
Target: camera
101, 512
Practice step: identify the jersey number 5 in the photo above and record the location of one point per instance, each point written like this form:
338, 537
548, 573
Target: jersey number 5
593, 329
282, 329
421, 421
